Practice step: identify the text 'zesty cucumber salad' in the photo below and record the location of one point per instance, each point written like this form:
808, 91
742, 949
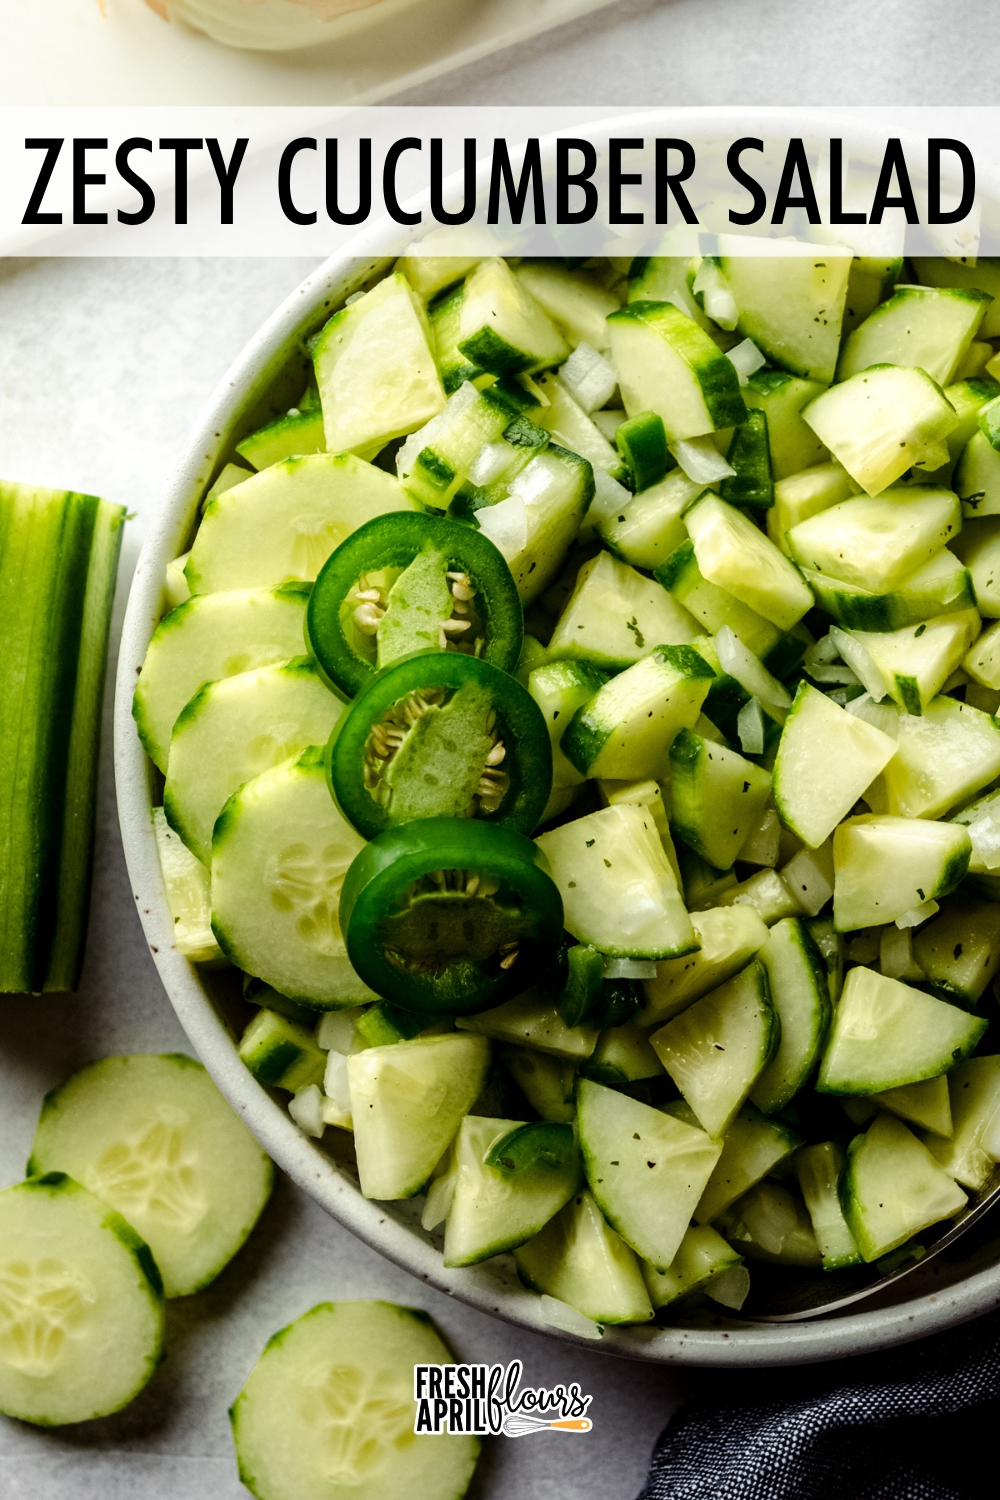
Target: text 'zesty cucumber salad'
577, 723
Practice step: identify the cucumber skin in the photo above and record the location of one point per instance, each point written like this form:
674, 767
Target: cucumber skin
715, 374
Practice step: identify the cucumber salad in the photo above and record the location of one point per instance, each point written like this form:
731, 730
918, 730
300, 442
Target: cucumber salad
576, 719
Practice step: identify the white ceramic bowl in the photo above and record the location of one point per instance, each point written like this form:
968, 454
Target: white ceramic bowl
263, 381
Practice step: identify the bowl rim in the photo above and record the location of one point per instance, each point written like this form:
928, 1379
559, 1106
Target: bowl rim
492, 1289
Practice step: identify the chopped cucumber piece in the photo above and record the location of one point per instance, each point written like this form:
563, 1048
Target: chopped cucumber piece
942, 758
801, 998
649, 528
206, 638
375, 368
753, 1147
407, 1102
715, 607
885, 1034
619, 892
280, 854
819, 1168
649, 795
646, 1169
546, 1082
430, 274
154, 1139
826, 760
919, 326
959, 950
768, 1223
668, 365
626, 729
885, 866
296, 433
882, 422
235, 729
732, 553
805, 494
877, 542
58, 563
572, 428
615, 616
782, 397
531, 1021
982, 662
537, 522
622, 1055
580, 1259
717, 1048
913, 664
283, 524
831, 946
974, 1147
926, 1104
977, 477
502, 328
768, 893
729, 938
189, 895
703, 1256
560, 688
280, 1053
577, 303
892, 1188
789, 298
939, 587
81, 1322
328, 1410
499, 1203
664, 278
436, 461
982, 274
716, 797
444, 316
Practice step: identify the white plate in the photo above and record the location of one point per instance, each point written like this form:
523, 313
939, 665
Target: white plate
943, 1294
61, 52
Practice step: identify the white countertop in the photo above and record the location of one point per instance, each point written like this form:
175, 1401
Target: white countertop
103, 367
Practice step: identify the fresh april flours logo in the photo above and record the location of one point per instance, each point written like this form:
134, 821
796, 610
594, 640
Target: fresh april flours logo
486, 1400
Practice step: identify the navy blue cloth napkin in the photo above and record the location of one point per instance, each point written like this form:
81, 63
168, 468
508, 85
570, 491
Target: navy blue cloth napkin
915, 1423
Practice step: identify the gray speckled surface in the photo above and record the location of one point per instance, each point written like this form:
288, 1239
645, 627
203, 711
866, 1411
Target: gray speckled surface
104, 366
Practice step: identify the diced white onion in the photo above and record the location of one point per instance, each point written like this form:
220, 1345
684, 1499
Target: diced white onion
591, 379
985, 836
739, 661
335, 1032
750, 727
560, 1315
895, 953
860, 661
490, 462
807, 876
335, 1084
506, 525
439, 1199
306, 1109
729, 1288
884, 716
609, 497
716, 298
629, 968
918, 914
701, 460
747, 358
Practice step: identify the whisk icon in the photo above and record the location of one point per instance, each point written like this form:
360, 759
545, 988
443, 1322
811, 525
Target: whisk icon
519, 1424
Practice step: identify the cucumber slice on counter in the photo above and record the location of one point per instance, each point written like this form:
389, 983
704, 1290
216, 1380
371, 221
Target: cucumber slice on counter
717, 797
892, 1188
189, 895
753, 1147
501, 326
280, 853
789, 298
717, 1048
646, 1169
579, 1259
877, 542
236, 729
501, 1200
882, 422
619, 892
819, 1168
624, 732
81, 1317
826, 760
363, 409
668, 365
729, 938
209, 637
923, 327
940, 587
328, 1410
885, 1034
407, 1103
801, 998
615, 616
703, 1257
732, 553
973, 1149
885, 866
529, 1021
153, 1138
282, 524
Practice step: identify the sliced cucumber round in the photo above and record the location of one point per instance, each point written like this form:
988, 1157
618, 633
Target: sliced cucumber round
152, 1137
81, 1305
327, 1412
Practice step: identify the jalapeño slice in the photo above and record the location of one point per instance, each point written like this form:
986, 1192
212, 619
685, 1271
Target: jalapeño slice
408, 582
439, 735
444, 917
